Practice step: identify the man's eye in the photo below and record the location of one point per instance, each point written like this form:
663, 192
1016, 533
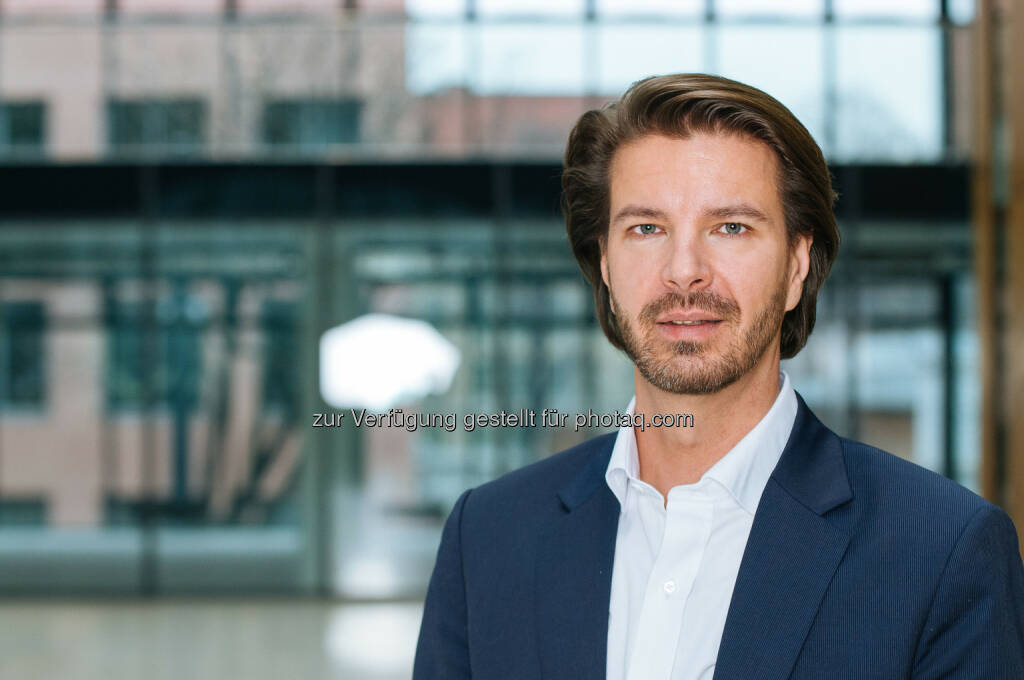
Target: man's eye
646, 229
733, 228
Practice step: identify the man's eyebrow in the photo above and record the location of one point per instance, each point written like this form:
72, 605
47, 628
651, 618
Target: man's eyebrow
722, 212
737, 210
639, 211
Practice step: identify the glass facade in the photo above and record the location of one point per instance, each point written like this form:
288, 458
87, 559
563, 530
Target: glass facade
152, 399
22, 128
872, 81
190, 203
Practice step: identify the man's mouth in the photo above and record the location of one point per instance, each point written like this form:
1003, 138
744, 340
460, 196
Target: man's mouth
692, 323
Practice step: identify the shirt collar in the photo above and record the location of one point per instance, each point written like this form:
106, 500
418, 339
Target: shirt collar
743, 471
624, 463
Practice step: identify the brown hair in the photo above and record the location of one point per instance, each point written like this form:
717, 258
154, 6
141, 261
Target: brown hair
678, 106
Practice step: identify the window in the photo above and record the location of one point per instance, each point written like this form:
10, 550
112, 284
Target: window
311, 123
22, 378
22, 128
173, 125
152, 361
535, 8
927, 10
22, 512
810, 9
281, 373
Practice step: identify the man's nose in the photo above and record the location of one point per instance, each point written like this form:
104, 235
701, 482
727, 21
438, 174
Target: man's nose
687, 263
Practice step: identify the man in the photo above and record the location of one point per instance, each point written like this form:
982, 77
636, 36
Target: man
758, 543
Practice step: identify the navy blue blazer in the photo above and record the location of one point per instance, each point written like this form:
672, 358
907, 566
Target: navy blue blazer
858, 565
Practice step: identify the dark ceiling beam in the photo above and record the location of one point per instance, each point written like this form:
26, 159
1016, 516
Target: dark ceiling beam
428, 190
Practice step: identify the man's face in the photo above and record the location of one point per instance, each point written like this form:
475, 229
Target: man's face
697, 260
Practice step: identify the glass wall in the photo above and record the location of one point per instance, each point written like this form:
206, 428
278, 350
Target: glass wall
508, 295
460, 78
151, 434
193, 198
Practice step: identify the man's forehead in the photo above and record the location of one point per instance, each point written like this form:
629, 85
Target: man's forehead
700, 148
725, 173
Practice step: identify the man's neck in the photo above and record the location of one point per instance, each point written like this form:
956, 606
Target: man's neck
670, 456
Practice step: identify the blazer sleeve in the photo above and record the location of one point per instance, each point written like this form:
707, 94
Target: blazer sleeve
975, 627
443, 649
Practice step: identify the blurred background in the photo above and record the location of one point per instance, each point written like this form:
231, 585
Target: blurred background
193, 192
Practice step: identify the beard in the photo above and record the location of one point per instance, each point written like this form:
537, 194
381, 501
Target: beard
692, 367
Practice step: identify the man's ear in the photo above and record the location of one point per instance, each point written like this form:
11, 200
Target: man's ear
601, 244
799, 266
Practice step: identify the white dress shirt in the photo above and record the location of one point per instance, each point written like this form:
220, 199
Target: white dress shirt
675, 566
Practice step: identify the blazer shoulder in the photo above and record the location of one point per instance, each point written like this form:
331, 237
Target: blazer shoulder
891, 486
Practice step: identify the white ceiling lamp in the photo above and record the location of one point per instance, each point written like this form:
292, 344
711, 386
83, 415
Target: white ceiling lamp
378, 361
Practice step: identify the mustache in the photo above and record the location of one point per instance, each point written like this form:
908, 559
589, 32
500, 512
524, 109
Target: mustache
703, 300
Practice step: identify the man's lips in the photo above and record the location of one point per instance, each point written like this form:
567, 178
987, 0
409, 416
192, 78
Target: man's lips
689, 322
688, 329
687, 318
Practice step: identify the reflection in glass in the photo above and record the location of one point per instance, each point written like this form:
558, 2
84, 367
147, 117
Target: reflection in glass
782, 60
659, 8
666, 49
777, 8
905, 9
548, 59
436, 57
889, 93
532, 8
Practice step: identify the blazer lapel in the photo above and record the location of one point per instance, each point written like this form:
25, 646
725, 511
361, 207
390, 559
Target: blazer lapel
790, 558
573, 574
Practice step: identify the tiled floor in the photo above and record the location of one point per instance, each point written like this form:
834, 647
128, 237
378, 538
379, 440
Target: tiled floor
200, 640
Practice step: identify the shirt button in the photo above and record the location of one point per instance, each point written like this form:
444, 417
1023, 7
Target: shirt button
670, 587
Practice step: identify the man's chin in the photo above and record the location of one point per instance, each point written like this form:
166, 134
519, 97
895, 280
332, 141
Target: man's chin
686, 375
683, 353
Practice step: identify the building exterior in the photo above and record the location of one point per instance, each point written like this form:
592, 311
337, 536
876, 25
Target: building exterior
193, 191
